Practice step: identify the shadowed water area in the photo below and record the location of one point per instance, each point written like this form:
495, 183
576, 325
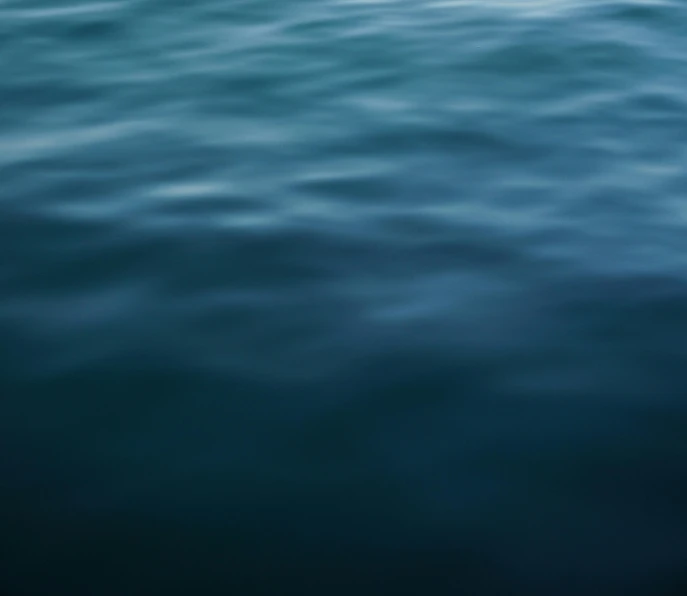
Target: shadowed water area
343, 297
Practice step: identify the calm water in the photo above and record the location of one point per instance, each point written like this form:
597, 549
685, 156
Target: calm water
343, 297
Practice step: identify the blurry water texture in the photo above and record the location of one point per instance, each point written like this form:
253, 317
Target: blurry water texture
343, 297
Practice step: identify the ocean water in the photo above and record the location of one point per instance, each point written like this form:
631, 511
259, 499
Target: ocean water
343, 297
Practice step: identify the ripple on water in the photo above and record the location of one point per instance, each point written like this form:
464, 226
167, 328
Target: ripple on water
382, 291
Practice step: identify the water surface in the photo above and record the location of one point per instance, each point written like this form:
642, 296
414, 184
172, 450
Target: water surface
336, 296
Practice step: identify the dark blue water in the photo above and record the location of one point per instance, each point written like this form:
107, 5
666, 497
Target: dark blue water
343, 297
